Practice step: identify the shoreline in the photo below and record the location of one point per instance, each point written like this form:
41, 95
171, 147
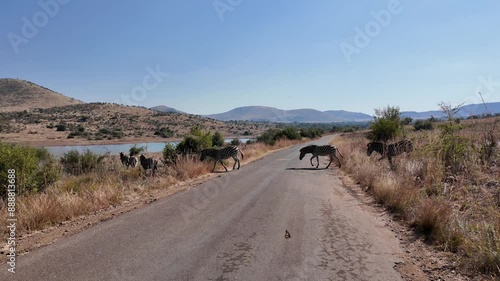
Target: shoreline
77, 142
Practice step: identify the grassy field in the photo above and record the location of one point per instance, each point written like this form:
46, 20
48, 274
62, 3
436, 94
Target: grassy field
447, 189
74, 196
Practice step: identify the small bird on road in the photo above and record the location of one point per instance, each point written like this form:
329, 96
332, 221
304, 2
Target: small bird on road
287, 234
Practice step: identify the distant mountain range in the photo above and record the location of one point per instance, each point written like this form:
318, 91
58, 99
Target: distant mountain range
271, 114
464, 111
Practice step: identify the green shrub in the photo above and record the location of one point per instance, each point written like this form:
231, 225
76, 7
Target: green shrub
76, 164
235, 141
136, 150
217, 139
35, 168
387, 125
164, 133
169, 154
61, 127
423, 125
189, 145
311, 132
268, 137
272, 135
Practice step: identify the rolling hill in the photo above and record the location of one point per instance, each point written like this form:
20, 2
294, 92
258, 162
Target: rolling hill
19, 95
164, 108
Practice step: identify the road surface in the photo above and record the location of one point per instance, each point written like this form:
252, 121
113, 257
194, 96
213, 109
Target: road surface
233, 228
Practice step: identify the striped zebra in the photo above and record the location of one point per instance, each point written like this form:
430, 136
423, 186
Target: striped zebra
148, 163
391, 150
132, 162
223, 153
323, 150
128, 161
124, 159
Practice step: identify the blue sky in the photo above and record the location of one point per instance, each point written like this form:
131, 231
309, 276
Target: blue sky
206, 56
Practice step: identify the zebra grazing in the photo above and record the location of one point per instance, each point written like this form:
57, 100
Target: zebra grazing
149, 163
323, 150
223, 153
391, 150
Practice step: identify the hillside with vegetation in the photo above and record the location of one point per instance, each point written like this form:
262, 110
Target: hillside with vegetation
103, 122
19, 95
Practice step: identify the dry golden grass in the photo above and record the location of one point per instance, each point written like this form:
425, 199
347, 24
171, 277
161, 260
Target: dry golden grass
457, 209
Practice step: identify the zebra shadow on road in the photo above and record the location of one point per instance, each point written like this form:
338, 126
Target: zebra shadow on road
305, 169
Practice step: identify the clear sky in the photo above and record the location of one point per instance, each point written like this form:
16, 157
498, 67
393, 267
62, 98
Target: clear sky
206, 56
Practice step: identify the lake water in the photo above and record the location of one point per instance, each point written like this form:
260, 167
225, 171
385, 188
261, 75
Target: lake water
115, 149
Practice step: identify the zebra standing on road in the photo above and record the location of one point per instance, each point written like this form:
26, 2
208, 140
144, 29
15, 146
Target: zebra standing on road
221, 154
323, 150
391, 150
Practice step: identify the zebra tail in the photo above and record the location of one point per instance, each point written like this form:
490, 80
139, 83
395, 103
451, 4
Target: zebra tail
340, 153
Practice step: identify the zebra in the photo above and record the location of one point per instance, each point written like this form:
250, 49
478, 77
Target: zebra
148, 163
323, 150
391, 150
223, 153
128, 161
132, 162
124, 159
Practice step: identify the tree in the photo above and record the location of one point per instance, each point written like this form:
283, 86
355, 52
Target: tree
387, 124
217, 139
135, 150
407, 120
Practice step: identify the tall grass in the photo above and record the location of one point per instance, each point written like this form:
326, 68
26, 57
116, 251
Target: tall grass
445, 189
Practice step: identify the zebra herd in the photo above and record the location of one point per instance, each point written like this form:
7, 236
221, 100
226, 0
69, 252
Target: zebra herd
146, 163
385, 150
220, 154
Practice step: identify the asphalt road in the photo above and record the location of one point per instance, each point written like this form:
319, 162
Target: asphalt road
233, 228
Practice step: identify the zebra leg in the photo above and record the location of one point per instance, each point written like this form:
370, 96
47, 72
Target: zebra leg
236, 160
317, 159
312, 161
329, 162
215, 163
222, 164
